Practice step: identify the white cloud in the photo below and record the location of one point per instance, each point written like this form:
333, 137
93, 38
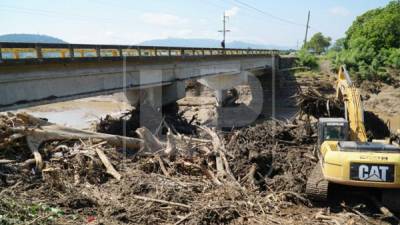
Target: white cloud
109, 33
162, 19
232, 12
184, 33
339, 11
203, 21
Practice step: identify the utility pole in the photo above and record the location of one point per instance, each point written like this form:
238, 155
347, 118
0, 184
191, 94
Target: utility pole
307, 27
224, 30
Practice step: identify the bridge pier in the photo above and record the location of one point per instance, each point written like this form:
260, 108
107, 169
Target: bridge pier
221, 96
227, 116
157, 96
222, 83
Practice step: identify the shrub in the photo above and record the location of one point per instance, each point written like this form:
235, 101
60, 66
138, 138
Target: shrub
305, 58
393, 58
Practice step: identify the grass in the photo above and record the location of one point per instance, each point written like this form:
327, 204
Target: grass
13, 211
308, 73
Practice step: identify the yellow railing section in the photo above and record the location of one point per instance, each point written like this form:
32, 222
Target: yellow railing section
109, 53
61, 51
130, 52
18, 53
55, 53
85, 52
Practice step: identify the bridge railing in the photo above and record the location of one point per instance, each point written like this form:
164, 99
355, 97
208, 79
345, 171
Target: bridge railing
10, 52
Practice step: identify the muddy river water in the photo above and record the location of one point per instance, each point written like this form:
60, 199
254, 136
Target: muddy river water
79, 113
83, 112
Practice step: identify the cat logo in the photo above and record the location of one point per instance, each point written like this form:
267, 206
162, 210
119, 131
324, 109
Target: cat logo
373, 173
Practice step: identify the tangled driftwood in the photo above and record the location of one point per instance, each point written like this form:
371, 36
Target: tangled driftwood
37, 131
254, 175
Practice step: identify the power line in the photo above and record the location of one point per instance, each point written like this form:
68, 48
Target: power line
70, 16
272, 15
227, 5
268, 14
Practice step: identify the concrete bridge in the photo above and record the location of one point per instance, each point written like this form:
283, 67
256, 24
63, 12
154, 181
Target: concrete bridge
35, 74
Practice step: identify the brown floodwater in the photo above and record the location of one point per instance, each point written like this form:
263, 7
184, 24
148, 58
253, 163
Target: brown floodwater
79, 113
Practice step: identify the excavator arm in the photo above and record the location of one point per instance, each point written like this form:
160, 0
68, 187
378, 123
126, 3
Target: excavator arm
349, 94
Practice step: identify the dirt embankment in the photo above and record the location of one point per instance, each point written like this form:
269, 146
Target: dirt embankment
383, 100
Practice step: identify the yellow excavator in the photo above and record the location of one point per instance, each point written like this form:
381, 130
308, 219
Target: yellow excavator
348, 158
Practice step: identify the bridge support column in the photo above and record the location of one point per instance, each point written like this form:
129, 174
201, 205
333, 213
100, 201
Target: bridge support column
221, 95
152, 99
173, 92
157, 96
133, 96
221, 84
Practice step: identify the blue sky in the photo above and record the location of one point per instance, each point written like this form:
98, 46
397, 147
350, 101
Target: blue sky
134, 21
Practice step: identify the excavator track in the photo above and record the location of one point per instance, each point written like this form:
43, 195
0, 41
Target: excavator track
317, 186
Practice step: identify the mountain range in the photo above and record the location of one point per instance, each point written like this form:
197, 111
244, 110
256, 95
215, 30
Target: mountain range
208, 43
31, 38
173, 42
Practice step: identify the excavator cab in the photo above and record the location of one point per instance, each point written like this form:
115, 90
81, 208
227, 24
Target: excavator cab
332, 129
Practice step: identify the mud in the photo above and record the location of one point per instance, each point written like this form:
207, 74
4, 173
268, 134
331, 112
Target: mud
385, 103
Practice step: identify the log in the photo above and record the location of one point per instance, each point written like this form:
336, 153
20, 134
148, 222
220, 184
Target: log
383, 209
52, 132
161, 201
220, 166
219, 147
364, 217
250, 175
170, 150
151, 143
109, 167
6, 161
320, 216
162, 166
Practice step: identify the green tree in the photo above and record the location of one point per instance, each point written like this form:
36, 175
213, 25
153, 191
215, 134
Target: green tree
338, 45
318, 43
371, 44
378, 28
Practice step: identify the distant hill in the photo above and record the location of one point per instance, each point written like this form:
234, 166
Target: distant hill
31, 38
173, 42
208, 43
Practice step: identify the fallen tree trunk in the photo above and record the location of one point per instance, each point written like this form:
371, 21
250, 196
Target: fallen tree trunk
41, 131
109, 167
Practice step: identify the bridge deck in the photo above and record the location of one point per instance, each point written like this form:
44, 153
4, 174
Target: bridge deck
11, 53
34, 74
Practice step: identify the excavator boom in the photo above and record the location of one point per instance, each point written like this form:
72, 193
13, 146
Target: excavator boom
348, 93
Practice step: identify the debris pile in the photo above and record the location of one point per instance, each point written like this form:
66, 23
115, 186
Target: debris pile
146, 115
277, 155
251, 176
312, 102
